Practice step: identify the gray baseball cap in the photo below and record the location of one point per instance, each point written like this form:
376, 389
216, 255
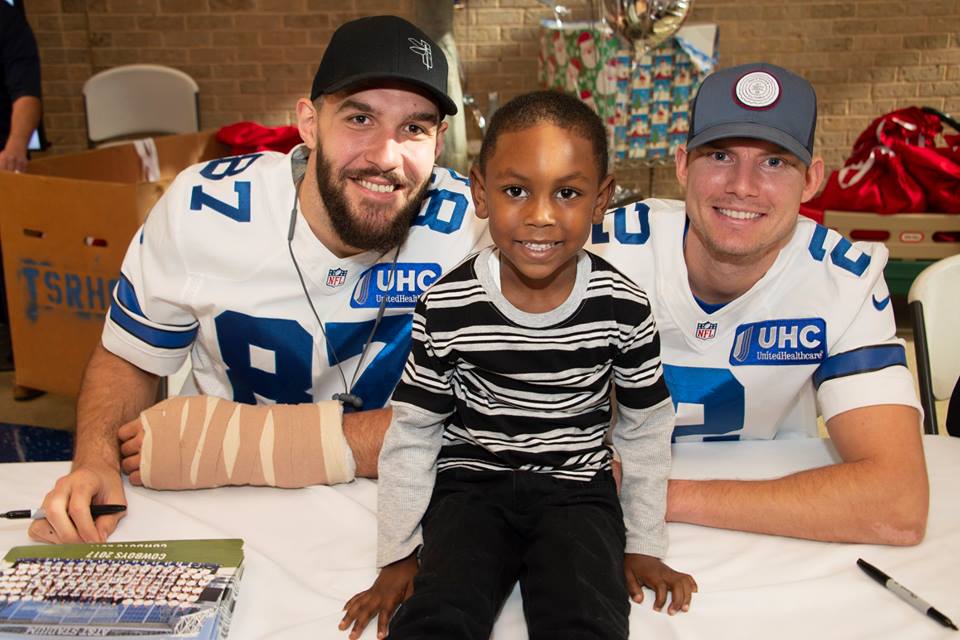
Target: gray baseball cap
759, 101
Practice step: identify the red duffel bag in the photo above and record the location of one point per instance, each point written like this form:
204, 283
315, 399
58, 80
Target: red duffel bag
895, 167
937, 170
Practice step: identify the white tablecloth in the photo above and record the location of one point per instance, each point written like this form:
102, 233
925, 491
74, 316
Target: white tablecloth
308, 550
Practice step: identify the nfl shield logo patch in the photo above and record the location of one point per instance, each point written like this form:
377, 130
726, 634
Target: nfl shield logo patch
336, 277
706, 330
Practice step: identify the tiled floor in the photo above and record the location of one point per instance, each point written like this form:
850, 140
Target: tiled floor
34, 444
38, 430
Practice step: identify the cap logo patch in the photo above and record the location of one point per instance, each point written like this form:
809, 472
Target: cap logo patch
422, 49
757, 90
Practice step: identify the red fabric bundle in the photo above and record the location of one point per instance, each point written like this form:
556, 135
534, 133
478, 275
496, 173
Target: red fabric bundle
937, 170
895, 167
879, 183
249, 137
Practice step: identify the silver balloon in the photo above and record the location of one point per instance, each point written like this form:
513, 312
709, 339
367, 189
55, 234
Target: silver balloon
646, 24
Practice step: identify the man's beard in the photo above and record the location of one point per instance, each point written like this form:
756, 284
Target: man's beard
370, 228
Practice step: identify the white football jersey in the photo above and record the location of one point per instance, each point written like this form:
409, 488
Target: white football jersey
210, 275
817, 331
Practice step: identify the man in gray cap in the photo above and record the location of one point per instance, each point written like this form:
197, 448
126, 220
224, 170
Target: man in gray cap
288, 280
767, 319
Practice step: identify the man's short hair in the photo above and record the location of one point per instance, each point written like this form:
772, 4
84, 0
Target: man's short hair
551, 107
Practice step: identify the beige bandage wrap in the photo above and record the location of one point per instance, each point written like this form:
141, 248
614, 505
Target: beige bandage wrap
199, 442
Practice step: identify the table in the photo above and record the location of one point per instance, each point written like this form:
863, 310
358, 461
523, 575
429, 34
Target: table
308, 550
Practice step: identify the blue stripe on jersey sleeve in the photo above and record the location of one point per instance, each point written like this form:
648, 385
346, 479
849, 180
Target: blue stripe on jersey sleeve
127, 295
861, 360
162, 338
125, 312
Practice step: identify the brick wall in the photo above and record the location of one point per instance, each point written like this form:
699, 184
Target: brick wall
253, 58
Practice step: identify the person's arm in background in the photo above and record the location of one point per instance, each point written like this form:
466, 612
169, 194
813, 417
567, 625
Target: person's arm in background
878, 494
113, 391
23, 121
21, 73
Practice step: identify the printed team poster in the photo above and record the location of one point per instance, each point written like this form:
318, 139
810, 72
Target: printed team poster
151, 589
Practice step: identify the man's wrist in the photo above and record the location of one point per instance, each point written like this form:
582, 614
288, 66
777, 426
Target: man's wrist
678, 496
105, 458
16, 144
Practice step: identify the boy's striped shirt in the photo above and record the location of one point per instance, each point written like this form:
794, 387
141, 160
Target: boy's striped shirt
526, 391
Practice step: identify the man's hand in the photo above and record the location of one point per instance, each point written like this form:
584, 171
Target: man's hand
648, 571
13, 159
131, 441
24, 118
68, 506
392, 587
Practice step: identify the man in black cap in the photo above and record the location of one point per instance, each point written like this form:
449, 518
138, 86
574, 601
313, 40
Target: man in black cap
767, 319
289, 280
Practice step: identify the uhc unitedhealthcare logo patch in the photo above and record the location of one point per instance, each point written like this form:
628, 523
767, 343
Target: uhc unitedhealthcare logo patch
401, 286
776, 342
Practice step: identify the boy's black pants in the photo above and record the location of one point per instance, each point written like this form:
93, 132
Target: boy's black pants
484, 530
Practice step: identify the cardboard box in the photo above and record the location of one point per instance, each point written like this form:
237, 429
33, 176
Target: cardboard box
908, 236
64, 228
915, 240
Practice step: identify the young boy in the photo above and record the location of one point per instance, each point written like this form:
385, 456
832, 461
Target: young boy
494, 468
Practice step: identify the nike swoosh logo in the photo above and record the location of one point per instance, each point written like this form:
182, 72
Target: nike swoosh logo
880, 305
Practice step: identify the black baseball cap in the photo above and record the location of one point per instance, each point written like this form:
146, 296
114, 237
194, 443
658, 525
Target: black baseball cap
383, 47
759, 101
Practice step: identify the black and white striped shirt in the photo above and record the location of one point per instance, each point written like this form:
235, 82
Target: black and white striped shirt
490, 387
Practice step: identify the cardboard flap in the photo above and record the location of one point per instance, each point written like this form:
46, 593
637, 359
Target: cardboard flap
67, 210
121, 163
65, 226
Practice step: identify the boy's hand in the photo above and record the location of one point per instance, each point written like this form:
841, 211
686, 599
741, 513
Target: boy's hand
648, 571
392, 587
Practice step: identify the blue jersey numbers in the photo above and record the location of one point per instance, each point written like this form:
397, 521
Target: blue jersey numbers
380, 373
713, 399
272, 359
841, 254
218, 170
266, 358
631, 225
443, 211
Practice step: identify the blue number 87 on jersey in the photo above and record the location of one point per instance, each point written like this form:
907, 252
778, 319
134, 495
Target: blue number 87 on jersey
271, 359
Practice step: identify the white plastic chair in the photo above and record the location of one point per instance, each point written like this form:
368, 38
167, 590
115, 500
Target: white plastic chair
140, 99
935, 309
